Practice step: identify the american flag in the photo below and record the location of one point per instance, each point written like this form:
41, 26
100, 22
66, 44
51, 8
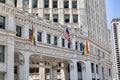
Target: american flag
67, 35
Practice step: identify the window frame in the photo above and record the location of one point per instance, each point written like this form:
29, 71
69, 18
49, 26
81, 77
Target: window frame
4, 1
34, 3
2, 57
55, 5
63, 42
46, 5
55, 40
3, 24
39, 37
75, 18
65, 18
73, 4
19, 27
66, 4
55, 19
3, 75
48, 38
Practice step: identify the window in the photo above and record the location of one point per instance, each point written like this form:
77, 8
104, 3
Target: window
75, 18
34, 3
3, 1
66, 18
39, 36
74, 4
30, 33
58, 70
47, 16
63, 42
68, 45
46, 3
15, 70
2, 52
47, 70
15, 2
48, 39
66, 4
55, 40
92, 67
1, 76
34, 70
93, 78
19, 31
97, 69
109, 72
2, 22
25, 2
55, 18
79, 67
76, 45
54, 4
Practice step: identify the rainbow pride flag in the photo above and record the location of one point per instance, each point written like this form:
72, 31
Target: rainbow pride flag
32, 38
84, 48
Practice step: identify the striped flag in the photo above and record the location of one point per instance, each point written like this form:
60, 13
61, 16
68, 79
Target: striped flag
67, 35
84, 48
32, 38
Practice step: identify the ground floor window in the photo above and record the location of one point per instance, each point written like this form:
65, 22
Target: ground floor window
1, 76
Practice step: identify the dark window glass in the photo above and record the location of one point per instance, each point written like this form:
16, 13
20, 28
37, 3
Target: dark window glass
58, 70
48, 39
66, 17
92, 67
74, 4
26, 2
19, 31
2, 52
30, 33
93, 78
3, 1
47, 70
97, 69
15, 2
68, 45
1, 76
66, 4
2, 22
63, 42
34, 3
75, 18
47, 16
39, 36
55, 40
76, 45
55, 18
54, 4
79, 67
46, 3
109, 72
15, 70
34, 70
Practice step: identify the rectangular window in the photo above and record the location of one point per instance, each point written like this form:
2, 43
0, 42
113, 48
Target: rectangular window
2, 53
2, 22
15, 69
30, 33
74, 4
34, 3
47, 16
55, 40
68, 45
66, 18
1, 76
76, 45
19, 31
3, 1
54, 4
48, 39
34, 70
63, 42
25, 2
97, 69
46, 3
55, 18
39, 36
93, 78
75, 18
66, 4
92, 67
109, 72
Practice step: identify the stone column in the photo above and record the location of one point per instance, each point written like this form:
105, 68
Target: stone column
10, 60
51, 13
40, 8
100, 71
53, 73
44, 37
66, 43
73, 70
59, 41
20, 4
71, 14
30, 6
52, 39
35, 34
63, 75
87, 75
10, 2
26, 66
42, 73
25, 30
73, 43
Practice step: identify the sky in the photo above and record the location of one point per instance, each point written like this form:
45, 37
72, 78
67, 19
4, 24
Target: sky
113, 10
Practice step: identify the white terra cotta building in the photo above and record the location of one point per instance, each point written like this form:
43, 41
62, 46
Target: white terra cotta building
52, 58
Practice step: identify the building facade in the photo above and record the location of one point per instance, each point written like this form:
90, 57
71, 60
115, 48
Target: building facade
52, 58
115, 38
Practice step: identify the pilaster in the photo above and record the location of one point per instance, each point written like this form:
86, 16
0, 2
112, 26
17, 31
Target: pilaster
59, 41
73, 70
52, 39
30, 6
40, 8
25, 33
53, 73
42, 73
50, 7
73, 43
44, 35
